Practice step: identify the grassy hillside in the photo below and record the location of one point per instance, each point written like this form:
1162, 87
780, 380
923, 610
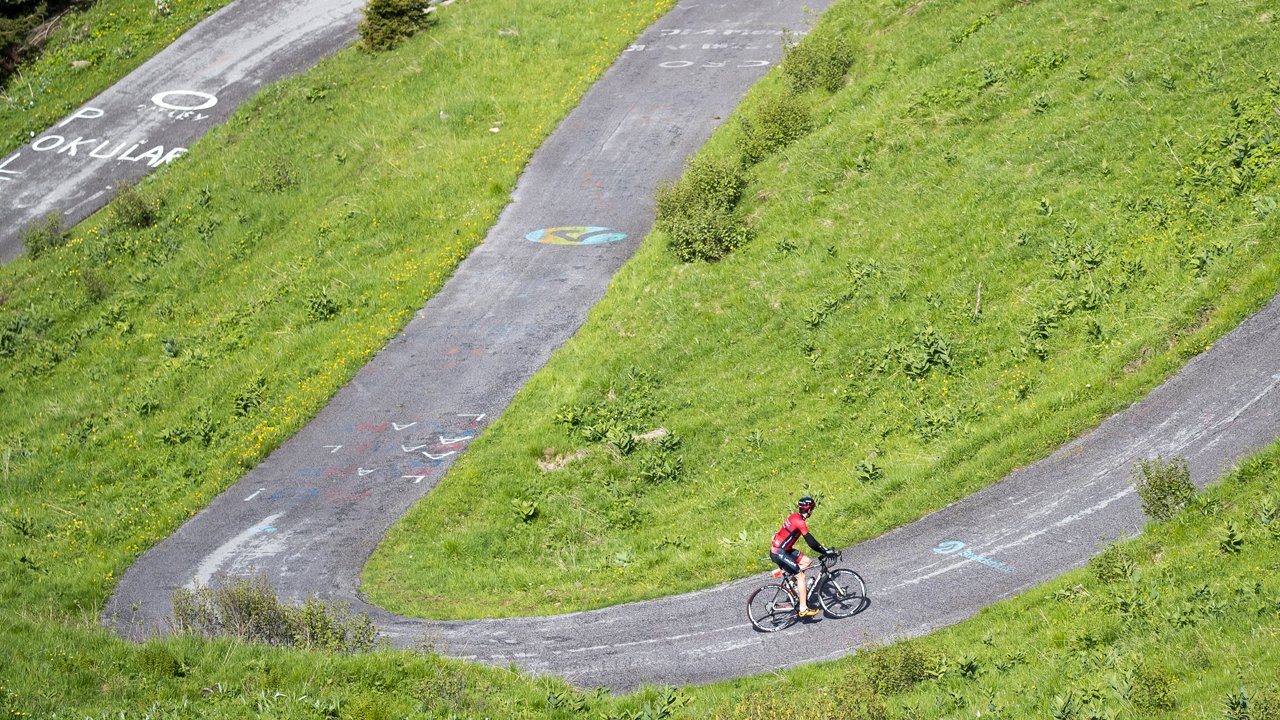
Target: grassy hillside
1011, 221
141, 372
1178, 623
171, 342
89, 49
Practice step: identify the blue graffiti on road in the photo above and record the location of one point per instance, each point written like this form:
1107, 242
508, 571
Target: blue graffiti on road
950, 547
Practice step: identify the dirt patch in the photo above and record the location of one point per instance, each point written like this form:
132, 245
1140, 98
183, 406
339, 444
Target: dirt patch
551, 461
651, 436
915, 8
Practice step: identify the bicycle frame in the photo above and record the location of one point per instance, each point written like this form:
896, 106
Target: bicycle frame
823, 566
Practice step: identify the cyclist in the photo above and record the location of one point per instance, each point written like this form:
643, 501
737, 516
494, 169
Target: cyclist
791, 560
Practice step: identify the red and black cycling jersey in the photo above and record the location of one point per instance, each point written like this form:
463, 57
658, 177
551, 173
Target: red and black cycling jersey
791, 530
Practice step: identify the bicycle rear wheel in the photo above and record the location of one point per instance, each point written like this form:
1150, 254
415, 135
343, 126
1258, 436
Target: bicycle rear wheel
771, 608
843, 594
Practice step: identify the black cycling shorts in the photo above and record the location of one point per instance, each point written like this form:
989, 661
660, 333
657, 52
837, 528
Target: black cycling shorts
788, 560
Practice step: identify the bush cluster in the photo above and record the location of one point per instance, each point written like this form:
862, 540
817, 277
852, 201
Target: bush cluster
132, 209
697, 212
820, 62
248, 609
1164, 487
776, 122
387, 23
45, 235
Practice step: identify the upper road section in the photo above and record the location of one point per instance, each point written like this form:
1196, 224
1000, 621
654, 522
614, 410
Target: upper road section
150, 117
310, 515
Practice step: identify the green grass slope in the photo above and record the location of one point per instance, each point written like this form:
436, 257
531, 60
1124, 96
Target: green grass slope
278, 239
91, 48
1013, 220
180, 335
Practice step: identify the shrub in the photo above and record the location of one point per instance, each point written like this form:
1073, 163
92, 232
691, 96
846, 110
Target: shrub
248, 609
821, 61
778, 121
97, 286
132, 209
1164, 487
45, 235
661, 467
157, 661
1151, 690
1112, 564
697, 212
322, 306
709, 237
526, 511
896, 669
387, 23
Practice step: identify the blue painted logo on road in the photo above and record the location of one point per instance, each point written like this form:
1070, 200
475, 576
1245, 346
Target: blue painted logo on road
576, 235
948, 547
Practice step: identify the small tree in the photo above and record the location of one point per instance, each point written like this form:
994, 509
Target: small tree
1164, 487
387, 23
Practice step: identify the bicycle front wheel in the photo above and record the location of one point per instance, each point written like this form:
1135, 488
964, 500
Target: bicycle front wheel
843, 594
771, 608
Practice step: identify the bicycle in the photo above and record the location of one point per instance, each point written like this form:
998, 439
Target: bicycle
840, 593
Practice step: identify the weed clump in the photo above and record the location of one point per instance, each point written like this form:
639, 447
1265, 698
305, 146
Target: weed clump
387, 23
45, 235
1151, 689
821, 61
776, 122
1164, 487
248, 609
697, 211
158, 662
131, 209
1113, 564
322, 306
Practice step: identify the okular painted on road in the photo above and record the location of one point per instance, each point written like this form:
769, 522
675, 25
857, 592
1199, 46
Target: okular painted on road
177, 105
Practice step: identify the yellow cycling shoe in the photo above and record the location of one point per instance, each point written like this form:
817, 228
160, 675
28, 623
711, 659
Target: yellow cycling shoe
809, 612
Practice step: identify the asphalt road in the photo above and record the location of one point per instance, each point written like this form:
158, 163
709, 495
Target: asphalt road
150, 117
311, 514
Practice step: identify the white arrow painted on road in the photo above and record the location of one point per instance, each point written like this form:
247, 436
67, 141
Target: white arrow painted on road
362, 472
335, 448
415, 448
415, 478
478, 418
5, 164
439, 457
399, 427
454, 441
254, 495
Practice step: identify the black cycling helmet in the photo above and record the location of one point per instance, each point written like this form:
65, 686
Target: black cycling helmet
806, 504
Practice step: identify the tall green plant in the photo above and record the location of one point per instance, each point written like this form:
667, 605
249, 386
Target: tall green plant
1164, 487
387, 23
